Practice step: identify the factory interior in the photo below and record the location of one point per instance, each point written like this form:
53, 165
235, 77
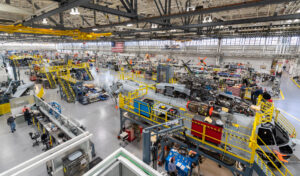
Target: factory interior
149, 87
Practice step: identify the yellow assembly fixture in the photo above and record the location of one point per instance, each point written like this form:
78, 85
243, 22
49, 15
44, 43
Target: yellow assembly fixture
75, 34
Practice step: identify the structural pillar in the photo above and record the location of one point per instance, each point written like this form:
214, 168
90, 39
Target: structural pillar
146, 146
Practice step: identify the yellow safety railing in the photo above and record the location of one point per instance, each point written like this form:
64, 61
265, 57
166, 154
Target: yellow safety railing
263, 116
261, 163
69, 78
71, 90
271, 157
133, 77
242, 140
266, 111
137, 93
49, 80
244, 147
53, 78
285, 124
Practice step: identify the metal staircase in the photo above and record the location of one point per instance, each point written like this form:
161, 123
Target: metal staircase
261, 167
51, 80
67, 91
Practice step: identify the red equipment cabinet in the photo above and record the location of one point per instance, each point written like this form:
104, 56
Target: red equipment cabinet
213, 133
131, 136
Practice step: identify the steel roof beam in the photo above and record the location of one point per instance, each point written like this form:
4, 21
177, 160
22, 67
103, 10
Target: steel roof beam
253, 3
223, 23
111, 11
37, 7
108, 10
63, 7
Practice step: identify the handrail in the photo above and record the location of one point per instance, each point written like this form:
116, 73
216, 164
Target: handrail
245, 143
287, 172
287, 125
242, 139
49, 80
263, 166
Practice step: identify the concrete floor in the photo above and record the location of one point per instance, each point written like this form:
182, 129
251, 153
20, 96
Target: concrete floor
290, 108
102, 120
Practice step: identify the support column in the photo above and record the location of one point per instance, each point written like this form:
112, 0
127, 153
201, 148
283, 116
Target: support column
146, 146
219, 54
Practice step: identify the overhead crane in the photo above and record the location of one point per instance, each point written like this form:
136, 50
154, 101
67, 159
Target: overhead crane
75, 34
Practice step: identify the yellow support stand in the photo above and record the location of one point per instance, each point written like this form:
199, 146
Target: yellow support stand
33, 121
50, 141
38, 126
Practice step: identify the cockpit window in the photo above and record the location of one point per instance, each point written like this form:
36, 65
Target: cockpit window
266, 136
281, 136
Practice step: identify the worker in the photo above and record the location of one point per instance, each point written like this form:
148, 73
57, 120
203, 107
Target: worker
243, 90
27, 117
11, 123
24, 109
284, 67
255, 94
172, 167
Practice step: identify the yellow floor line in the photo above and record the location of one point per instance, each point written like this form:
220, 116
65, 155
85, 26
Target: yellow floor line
282, 97
295, 82
289, 114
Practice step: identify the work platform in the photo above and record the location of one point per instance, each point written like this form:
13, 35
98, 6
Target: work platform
238, 143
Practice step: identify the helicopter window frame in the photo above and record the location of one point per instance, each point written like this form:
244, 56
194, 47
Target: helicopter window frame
279, 138
268, 139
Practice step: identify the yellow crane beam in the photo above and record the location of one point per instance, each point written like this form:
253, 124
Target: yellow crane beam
75, 34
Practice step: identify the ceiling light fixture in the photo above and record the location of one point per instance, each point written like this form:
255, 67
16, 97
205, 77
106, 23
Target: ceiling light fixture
298, 11
207, 19
289, 21
74, 11
95, 29
190, 9
129, 25
45, 21
154, 25
296, 20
